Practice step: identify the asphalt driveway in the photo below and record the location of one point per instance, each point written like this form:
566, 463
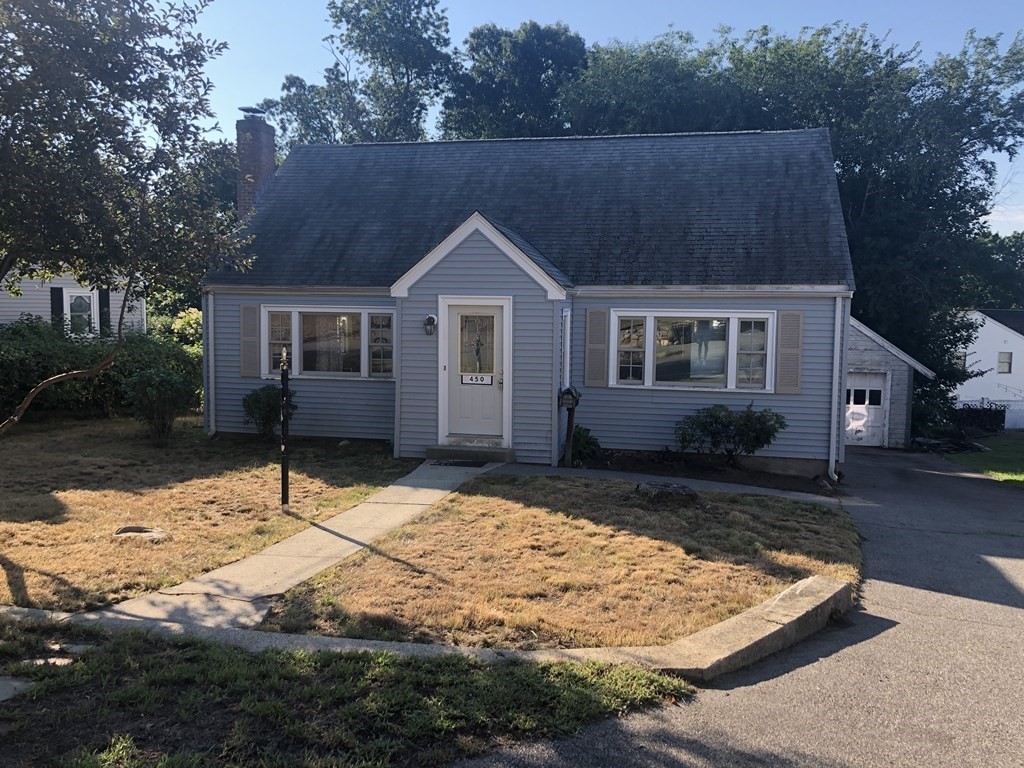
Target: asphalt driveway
928, 672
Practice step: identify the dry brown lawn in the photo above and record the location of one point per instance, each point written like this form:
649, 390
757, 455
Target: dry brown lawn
542, 562
66, 486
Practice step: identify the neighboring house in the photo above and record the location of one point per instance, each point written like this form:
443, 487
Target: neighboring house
879, 389
80, 309
997, 354
441, 294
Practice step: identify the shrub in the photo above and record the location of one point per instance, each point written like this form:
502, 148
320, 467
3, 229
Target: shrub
158, 396
983, 418
585, 447
32, 349
717, 429
263, 408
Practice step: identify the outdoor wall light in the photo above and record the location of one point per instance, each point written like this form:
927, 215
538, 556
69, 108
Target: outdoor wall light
430, 325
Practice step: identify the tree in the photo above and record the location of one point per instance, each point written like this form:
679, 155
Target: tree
392, 63
102, 159
513, 85
912, 141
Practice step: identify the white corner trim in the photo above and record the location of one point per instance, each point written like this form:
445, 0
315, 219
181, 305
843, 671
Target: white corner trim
888, 346
834, 424
477, 222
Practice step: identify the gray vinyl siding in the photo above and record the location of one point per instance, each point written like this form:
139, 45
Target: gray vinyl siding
356, 408
864, 354
644, 419
476, 267
35, 300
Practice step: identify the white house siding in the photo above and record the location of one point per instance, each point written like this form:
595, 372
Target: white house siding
357, 408
476, 267
35, 300
644, 419
866, 355
983, 357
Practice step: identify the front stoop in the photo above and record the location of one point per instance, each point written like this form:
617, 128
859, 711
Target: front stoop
471, 453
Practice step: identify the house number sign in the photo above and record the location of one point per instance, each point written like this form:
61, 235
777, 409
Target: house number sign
477, 378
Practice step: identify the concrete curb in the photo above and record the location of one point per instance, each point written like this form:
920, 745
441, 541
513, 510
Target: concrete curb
778, 623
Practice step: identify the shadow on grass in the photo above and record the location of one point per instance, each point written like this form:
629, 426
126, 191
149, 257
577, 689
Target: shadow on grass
734, 528
222, 705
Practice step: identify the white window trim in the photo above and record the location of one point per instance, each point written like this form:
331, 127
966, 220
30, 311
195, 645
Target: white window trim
1009, 363
296, 371
94, 304
649, 315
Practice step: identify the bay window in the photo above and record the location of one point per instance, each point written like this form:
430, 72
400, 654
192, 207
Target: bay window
329, 342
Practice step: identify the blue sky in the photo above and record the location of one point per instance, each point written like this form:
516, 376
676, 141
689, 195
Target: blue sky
268, 40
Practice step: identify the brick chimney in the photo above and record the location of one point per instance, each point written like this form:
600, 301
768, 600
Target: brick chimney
256, 158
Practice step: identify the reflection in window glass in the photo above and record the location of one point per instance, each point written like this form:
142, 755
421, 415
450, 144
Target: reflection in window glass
381, 345
631, 350
1005, 363
330, 342
752, 358
80, 314
280, 332
692, 351
476, 344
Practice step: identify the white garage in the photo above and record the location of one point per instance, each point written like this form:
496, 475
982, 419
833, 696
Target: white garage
879, 389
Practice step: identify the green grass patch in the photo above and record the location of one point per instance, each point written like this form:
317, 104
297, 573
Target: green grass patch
1005, 460
140, 700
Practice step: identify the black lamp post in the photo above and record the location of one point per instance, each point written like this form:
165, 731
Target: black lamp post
285, 403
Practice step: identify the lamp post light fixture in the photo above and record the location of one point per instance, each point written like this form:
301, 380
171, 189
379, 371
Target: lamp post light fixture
430, 325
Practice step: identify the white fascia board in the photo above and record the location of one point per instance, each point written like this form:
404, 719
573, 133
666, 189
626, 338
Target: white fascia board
892, 348
305, 290
830, 291
477, 222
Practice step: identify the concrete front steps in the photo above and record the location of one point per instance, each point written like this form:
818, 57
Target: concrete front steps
469, 452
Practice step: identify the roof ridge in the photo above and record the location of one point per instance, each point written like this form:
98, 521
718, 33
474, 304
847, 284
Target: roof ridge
611, 136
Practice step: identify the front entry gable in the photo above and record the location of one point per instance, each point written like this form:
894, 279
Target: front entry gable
553, 284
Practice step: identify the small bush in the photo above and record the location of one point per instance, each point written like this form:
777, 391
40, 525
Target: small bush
585, 447
988, 418
263, 408
158, 396
719, 430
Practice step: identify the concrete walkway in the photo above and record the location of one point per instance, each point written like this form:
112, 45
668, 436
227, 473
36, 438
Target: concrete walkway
239, 595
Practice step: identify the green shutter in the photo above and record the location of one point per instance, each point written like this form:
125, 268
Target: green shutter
595, 364
249, 351
789, 354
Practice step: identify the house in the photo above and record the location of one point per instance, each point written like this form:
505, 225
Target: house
997, 354
441, 294
879, 389
79, 308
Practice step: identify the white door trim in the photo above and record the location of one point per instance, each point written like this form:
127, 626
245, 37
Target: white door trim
443, 305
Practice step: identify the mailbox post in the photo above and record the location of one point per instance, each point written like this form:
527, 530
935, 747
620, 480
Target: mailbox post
285, 409
569, 398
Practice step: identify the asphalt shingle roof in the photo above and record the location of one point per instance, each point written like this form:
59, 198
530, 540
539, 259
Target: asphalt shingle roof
683, 209
1011, 318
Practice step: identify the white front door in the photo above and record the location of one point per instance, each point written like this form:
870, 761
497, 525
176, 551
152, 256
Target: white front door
476, 374
866, 408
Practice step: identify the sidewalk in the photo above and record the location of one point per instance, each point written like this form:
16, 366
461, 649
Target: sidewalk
239, 595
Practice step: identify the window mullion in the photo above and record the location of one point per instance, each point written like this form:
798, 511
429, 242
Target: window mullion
295, 366
648, 350
364, 344
733, 352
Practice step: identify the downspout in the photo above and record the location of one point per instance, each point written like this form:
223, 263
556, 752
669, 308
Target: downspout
211, 364
833, 438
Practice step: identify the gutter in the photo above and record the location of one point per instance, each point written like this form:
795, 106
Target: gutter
833, 437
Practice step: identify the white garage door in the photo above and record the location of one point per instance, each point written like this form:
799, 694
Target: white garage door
866, 409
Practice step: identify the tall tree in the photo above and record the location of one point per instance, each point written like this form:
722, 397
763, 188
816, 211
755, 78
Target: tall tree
101, 146
392, 63
912, 141
514, 81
